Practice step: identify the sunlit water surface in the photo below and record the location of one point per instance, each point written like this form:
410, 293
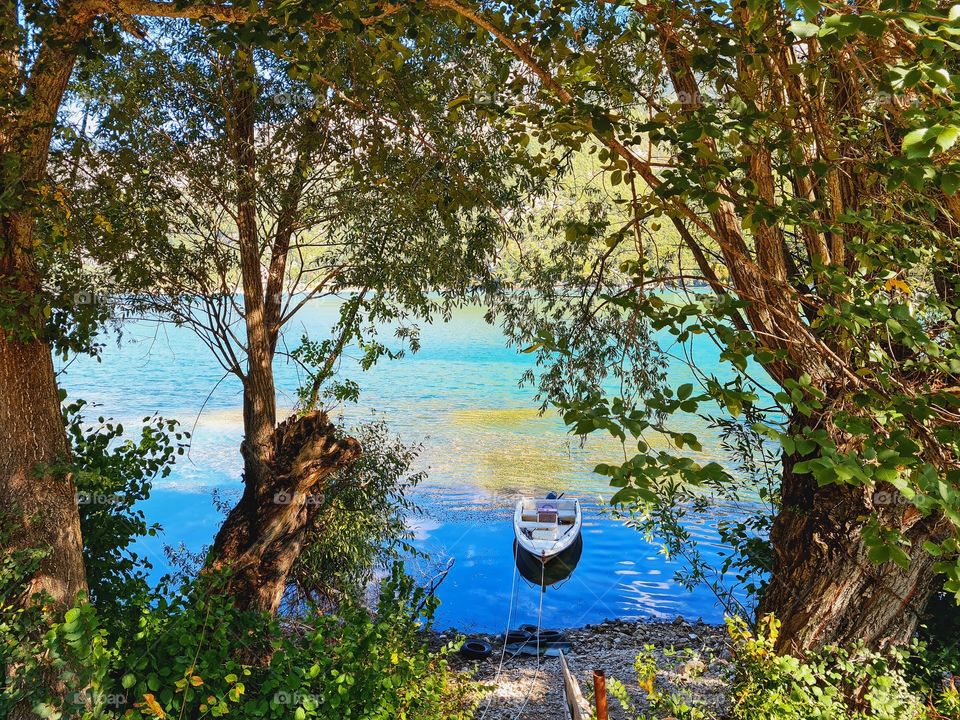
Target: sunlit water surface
483, 441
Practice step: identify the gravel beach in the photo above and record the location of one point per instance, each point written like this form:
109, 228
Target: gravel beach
691, 659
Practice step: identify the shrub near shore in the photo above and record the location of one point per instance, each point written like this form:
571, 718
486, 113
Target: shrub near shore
187, 660
832, 684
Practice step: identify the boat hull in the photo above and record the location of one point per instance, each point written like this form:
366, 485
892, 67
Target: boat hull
552, 570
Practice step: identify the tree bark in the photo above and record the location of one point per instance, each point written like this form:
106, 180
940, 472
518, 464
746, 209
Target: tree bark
259, 392
32, 436
37, 500
263, 535
824, 588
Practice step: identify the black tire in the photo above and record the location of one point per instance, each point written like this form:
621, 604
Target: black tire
546, 636
476, 649
519, 636
549, 636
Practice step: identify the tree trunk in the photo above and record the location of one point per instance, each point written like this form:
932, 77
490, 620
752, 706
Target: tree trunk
285, 467
36, 498
38, 502
824, 587
262, 537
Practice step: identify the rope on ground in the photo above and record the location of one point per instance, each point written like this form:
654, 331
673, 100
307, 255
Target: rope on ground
514, 585
536, 676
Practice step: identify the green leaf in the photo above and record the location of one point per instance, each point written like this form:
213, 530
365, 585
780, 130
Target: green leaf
803, 29
900, 557
458, 101
950, 183
878, 554
948, 136
913, 143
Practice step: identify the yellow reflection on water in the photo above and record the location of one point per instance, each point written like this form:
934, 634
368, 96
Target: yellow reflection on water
515, 450
518, 451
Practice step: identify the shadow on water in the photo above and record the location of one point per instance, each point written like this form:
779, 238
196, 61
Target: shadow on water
555, 571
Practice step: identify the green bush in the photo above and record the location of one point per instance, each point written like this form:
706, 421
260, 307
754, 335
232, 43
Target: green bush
361, 527
832, 684
136, 652
189, 659
112, 475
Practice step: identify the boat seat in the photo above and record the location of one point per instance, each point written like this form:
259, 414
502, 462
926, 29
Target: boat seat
548, 533
564, 517
534, 525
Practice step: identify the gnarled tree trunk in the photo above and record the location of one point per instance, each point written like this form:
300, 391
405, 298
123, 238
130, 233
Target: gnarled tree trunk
263, 535
824, 588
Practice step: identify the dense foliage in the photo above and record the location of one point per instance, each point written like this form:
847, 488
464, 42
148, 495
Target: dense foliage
832, 684
183, 660
112, 476
366, 190
134, 651
363, 526
805, 155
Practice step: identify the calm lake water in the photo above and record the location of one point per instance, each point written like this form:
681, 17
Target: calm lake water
483, 444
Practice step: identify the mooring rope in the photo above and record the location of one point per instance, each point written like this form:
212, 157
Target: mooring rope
514, 586
536, 676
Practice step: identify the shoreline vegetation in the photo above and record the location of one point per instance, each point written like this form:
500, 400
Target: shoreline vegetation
792, 166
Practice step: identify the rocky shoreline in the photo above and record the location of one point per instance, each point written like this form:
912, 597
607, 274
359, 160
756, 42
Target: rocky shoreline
691, 660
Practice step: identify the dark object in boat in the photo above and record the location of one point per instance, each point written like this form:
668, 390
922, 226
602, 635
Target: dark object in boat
557, 569
476, 649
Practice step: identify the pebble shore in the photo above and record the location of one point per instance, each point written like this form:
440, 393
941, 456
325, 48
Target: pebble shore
691, 659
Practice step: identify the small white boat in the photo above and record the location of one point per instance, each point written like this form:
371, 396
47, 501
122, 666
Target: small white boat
546, 526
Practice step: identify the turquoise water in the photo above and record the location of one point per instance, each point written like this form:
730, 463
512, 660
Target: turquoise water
483, 444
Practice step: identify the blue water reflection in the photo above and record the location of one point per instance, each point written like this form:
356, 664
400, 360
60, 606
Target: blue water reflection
483, 444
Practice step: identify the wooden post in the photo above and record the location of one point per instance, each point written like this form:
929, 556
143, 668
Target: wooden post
575, 705
600, 694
